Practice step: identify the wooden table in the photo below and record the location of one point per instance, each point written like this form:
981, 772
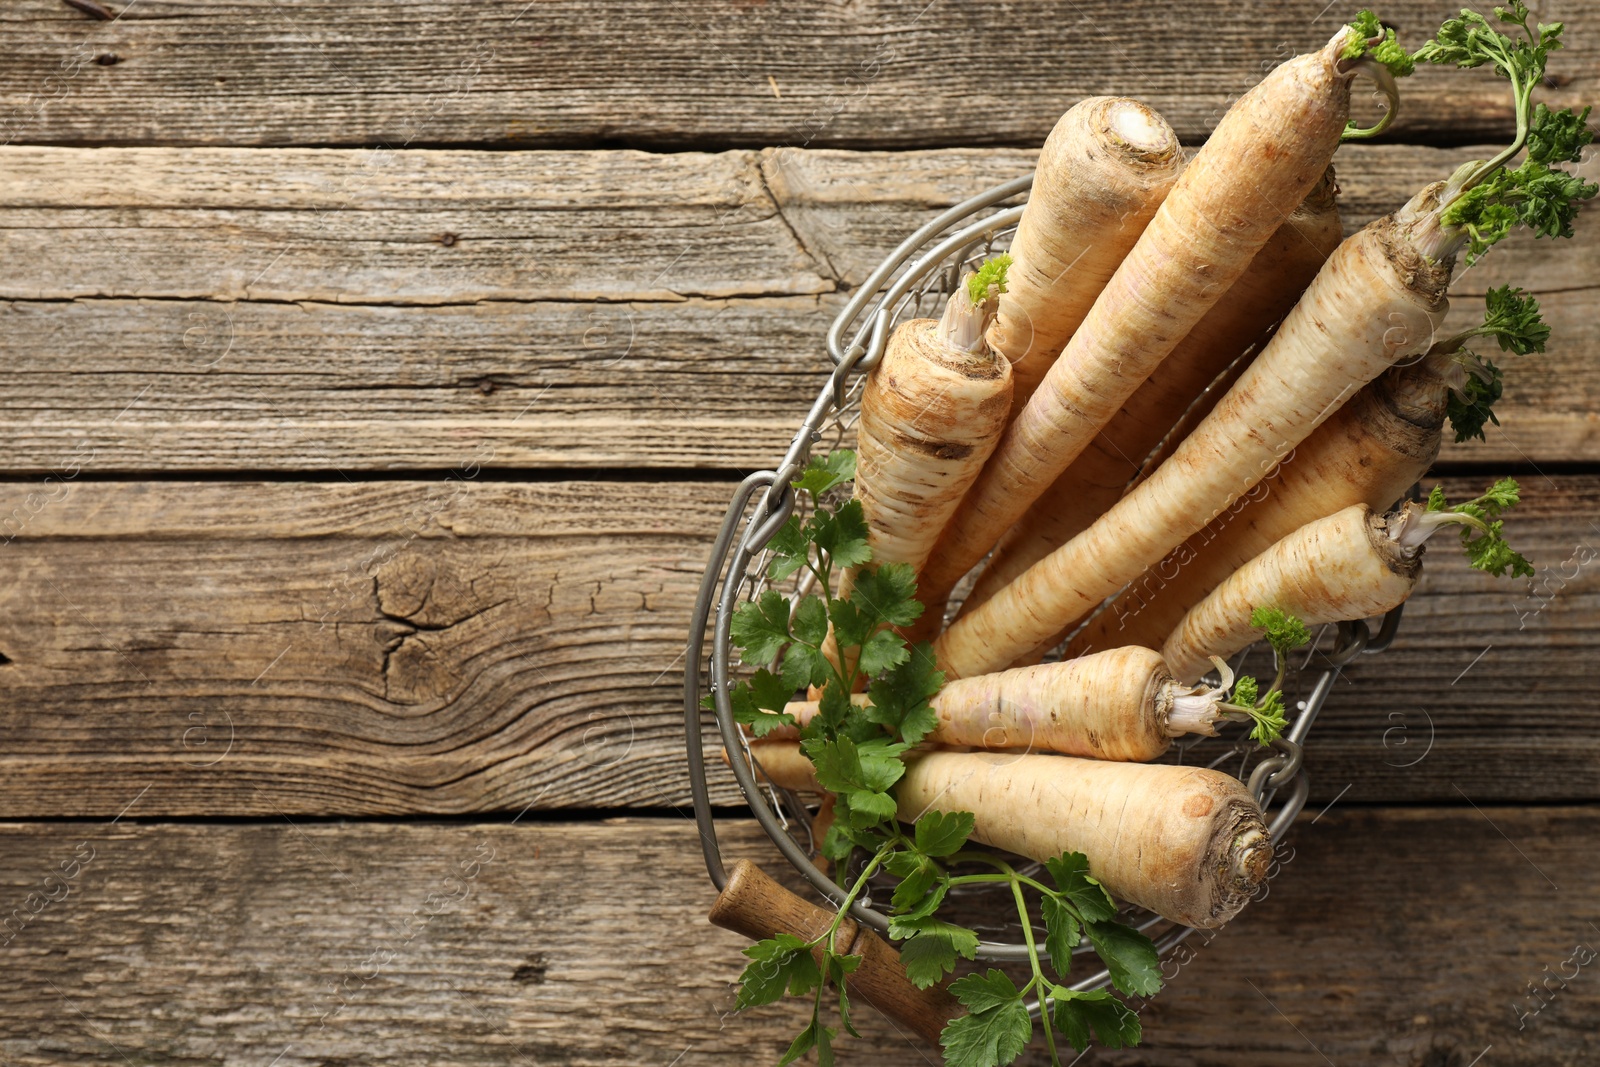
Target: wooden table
374, 375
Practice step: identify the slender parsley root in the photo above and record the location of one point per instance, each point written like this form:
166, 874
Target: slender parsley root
931, 413
1262, 296
1122, 705
1104, 170
1186, 842
1372, 450
1269, 151
1354, 564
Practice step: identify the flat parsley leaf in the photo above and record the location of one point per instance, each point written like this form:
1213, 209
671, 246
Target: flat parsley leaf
997, 1028
1115, 1025
825, 472
841, 534
942, 833
933, 949
759, 703
1061, 933
1070, 872
778, 964
1129, 955
761, 628
900, 696
887, 595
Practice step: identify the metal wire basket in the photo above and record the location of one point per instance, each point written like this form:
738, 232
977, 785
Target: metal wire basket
914, 281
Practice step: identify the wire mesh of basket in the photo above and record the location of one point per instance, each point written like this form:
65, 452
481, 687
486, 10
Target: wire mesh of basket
912, 282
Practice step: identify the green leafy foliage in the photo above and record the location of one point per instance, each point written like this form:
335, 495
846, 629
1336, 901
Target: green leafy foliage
822, 474
996, 1027
1265, 709
991, 275
1512, 318
933, 948
1482, 530
1115, 1025
1089, 899
1534, 194
1387, 50
1284, 632
777, 965
1129, 955
1471, 407
941, 833
901, 696
857, 748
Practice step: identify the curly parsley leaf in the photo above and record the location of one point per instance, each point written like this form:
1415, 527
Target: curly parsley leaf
1284, 632
1488, 551
1387, 51
1115, 1025
1558, 136
1471, 407
991, 275
1511, 316
1534, 194
1246, 692
1269, 719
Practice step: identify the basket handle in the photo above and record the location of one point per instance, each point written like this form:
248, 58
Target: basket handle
754, 905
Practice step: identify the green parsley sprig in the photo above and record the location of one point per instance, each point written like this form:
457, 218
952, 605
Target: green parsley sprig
858, 752
1484, 199
1512, 318
1265, 711
1481, 528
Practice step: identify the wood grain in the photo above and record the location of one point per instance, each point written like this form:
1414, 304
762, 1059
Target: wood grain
225, 309
466, 645
878, 74
1387, 937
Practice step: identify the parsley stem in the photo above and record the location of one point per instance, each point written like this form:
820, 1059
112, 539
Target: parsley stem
850, 897
1033, 958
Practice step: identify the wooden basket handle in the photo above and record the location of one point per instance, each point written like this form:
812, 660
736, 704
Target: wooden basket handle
754, 905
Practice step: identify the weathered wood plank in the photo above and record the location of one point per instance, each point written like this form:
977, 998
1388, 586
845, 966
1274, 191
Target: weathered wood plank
877, 74
187, 310
467, 645
1388, 937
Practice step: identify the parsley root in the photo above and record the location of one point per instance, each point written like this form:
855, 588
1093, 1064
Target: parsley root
1186, 842
1372, 450
1122, 705
1263, 295
1354, 564
1104, 170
